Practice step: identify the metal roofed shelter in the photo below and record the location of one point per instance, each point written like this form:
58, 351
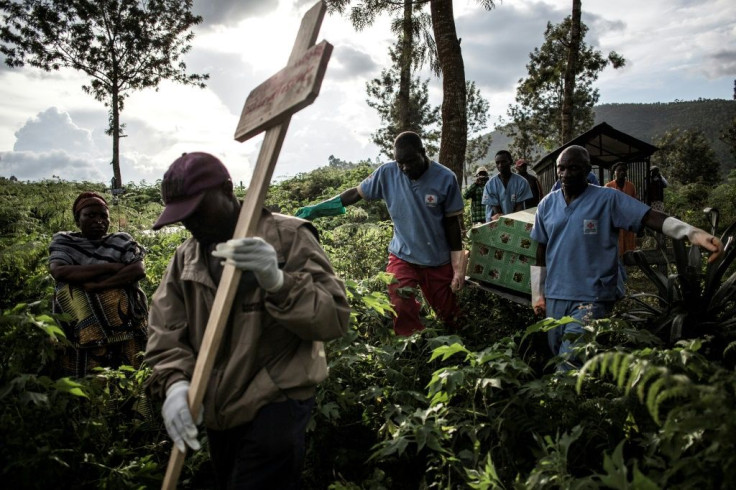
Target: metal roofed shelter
607, 146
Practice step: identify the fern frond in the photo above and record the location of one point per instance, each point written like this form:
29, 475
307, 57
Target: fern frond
730, 347
651, 399
679, 390
649, 373
605, 363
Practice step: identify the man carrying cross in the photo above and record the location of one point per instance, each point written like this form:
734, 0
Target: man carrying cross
288, 301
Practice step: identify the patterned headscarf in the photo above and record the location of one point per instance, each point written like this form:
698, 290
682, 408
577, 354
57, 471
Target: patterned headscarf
88, 198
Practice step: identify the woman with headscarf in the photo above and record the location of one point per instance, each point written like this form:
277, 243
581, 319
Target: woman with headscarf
97, 278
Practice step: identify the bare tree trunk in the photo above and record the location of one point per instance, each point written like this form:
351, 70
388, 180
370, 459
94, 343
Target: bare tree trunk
566, 132
407, 44
454, 117
115, 130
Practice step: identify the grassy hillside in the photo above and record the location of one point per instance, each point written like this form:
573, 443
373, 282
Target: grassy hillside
649, 121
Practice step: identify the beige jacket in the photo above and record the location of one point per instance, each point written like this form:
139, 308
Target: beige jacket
272, 348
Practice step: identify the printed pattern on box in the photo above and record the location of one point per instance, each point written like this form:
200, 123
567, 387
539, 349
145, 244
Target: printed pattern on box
502, 251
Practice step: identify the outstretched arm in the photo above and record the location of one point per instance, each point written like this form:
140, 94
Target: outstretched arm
674, 228
350, 196
330, 207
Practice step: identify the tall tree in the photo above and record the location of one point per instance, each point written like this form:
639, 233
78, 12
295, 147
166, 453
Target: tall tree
454, 116
421, 117
122, 45
522, 143
539, 97
477, 117
414, 48
447, 62
450, 59
570, 70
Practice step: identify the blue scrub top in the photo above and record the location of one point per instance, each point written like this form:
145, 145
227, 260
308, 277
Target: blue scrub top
582, 241
495, 194
417, 209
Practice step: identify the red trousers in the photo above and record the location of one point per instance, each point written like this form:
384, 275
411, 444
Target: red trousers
435, 285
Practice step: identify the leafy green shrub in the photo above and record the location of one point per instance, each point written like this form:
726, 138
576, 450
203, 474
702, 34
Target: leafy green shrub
356, 250
691, 402
23, 273
95, 432
689, 302
478, 408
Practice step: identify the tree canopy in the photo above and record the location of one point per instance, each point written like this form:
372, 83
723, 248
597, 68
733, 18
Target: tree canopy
383, 96
477, 112
538, 108
687, 157
122, 45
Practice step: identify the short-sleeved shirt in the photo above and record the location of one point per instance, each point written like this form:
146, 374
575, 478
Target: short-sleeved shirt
495, 194
417, 209
582, 241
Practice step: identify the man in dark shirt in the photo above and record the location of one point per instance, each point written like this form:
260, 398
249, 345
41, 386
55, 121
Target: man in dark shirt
536, 187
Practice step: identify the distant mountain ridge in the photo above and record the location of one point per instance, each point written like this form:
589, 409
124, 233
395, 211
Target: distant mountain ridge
649, 121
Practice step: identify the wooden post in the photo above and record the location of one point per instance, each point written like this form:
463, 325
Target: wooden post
268, 107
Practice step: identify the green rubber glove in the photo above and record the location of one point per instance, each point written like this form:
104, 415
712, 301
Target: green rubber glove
330, 207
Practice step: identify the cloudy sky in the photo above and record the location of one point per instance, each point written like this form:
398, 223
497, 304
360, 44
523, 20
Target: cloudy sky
675, 49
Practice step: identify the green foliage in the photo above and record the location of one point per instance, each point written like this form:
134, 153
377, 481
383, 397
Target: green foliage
537, 113
477, 117
317, 185
95, 432
481, 407
551, 470
691, 302
686, 156
689, 399
728, 137
424, 118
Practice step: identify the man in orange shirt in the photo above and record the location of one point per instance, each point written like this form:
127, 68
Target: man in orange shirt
626, 239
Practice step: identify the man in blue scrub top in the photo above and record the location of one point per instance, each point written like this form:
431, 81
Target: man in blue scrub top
577, 231
506, 192
426, 250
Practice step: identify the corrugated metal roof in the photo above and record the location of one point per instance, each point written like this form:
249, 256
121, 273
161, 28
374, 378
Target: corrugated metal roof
606, 145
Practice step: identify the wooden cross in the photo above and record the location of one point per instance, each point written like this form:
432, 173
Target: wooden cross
268, 107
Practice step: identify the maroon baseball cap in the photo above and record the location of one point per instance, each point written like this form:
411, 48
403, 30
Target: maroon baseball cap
185, 183
520, 163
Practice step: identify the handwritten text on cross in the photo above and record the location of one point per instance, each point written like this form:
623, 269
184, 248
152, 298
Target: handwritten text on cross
285, 93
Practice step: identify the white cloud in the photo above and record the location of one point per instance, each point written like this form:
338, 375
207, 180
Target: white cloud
34, 165
53, 130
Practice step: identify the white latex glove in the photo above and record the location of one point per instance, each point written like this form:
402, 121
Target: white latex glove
253, 254
538, 277
178, 418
